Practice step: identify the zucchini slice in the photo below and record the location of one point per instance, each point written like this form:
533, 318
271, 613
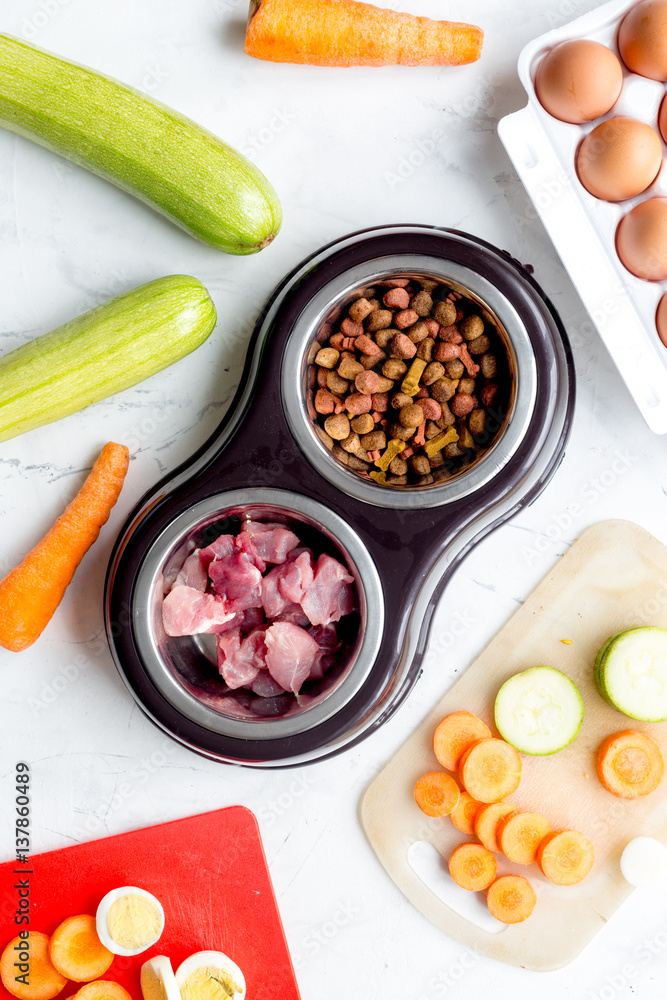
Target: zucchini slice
631, 673
539, 711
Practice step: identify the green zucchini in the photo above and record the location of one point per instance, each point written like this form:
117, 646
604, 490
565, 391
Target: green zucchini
199, 182
110, 348
539, 711
630, 673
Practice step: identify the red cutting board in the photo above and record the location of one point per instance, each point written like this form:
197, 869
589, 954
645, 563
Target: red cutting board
208, 871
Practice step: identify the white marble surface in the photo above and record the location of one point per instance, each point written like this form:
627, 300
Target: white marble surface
337, 145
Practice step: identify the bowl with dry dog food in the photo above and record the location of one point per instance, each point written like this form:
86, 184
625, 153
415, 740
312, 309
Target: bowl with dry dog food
411, 383
406, 389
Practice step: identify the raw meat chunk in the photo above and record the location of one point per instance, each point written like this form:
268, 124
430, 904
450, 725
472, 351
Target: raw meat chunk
186, 611
329, 596
239, 659
246, 544
192, 573
290, 654
236, 581
264, 685
286, 584
273, 542
326, 636
222, 546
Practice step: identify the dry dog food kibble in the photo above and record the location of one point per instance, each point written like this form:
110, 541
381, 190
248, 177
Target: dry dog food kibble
409, 384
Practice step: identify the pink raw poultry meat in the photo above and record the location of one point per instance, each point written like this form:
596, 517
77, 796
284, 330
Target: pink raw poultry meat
239, 659
326, 637
273, 542
293, 613
192, 573
186, 611
245, 543
297, 576
222, 546
245, 620
273, 601
290, 654
329, 596
285, 585
236, 581
265, 687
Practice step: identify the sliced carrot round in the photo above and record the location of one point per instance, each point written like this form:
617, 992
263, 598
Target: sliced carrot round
565, 857
76, 950
28, 958
490, 770
464, 812
102, 989
436, 793
520, 835
472, 867
455, 734
630, 764
511, 899
487, 820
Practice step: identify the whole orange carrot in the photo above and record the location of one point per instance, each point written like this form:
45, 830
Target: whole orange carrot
30, 594
348, 33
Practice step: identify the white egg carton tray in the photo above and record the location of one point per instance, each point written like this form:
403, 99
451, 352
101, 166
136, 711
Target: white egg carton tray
582, 228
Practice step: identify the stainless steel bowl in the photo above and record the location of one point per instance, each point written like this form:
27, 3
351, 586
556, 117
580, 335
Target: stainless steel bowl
512, 424
182, 668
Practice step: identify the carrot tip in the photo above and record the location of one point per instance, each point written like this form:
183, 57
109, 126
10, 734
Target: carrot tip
30, 593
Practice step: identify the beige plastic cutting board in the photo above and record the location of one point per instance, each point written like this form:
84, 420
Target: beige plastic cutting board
613, 577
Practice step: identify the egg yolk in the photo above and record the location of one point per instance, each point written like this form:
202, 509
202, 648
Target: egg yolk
133, 922
151, 985
206, 983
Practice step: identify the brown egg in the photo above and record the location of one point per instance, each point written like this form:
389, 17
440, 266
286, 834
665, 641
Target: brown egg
641, 240
578, 81
661, 319
662, 119
619, 159
642, 39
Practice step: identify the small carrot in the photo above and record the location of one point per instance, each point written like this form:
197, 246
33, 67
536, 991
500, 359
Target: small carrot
77, 952
39, 980
487, 821
511, 899
472, 867
464, 812
565, 857
455, 734
630, 764
436, 793
520, 835
30, 594
102, 989
349, 33
490, 770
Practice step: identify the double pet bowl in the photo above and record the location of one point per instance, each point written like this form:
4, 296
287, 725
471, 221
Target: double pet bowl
401, 545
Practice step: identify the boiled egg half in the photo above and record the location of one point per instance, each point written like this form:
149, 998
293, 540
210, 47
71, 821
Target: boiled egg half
210, 975
158, 981
129, 920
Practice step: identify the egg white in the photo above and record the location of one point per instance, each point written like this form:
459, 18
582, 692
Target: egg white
644, 863
212, 960
161, 968
103, 913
